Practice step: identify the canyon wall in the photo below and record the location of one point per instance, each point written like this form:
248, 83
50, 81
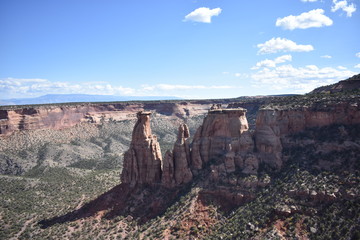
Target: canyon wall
224, 144
56, 117
273, 125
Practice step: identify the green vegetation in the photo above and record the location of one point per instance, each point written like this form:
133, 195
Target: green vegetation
47, 192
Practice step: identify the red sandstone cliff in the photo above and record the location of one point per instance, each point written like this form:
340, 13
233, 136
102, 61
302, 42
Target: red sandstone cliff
13, 119
223, 136
273, 125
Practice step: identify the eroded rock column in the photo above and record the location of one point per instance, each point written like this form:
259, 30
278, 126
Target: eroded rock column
176, 165
142, 162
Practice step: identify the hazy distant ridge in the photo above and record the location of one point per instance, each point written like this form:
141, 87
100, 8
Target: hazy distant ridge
64, 98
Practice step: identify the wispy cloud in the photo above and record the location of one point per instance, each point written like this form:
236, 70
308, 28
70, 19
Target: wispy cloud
275, 45
202, 14
299, 80
357, 54
345, 6
19, 88
11, 87
313, 18
308, 0
272, 63
326, 56
357, 66
187, 87
341, 67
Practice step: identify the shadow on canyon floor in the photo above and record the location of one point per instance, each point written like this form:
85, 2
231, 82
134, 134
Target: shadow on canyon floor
141, 203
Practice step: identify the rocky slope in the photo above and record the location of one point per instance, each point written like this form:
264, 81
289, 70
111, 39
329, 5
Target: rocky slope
342, 86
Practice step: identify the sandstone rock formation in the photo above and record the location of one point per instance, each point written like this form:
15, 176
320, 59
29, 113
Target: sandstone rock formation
142, 162
223, 141
224, 145
273, 125
176, 164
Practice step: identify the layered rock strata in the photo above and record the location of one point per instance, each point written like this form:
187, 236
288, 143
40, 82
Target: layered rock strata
274, 125
176, 164
142, 162
67, 115
224, 141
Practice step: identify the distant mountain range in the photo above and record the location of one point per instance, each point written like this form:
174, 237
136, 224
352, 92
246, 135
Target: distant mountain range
66, 98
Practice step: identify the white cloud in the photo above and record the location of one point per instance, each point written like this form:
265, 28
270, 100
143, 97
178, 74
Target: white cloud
275, 45
341, 67
326, 56
202, 14
345, 6
20, 88
15, 88
357, 66
241, 75
188, 87
308, 0
357, 54
298, 80
313, 18
272, 63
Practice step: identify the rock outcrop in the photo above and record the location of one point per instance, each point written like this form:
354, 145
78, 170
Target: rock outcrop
176, 164
224, 145
224, 142
274, 125
142, 162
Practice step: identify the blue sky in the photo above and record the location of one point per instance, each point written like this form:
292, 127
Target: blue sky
184, 48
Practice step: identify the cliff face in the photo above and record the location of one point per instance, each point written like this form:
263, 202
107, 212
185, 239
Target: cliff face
273, 125
65, 116
223, 139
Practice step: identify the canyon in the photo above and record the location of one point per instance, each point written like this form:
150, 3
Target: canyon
279, 167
